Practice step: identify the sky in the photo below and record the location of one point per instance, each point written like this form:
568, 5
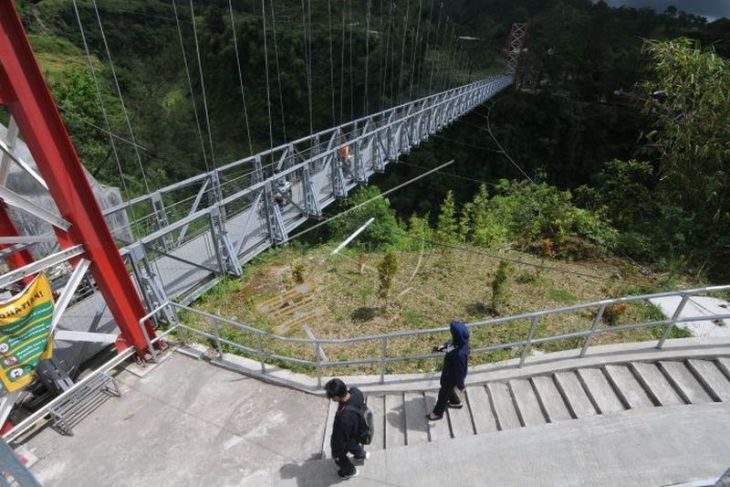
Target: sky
712, 9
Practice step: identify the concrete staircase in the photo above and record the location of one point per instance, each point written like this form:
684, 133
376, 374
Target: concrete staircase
560, 396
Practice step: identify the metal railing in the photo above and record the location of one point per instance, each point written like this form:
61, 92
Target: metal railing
263, 354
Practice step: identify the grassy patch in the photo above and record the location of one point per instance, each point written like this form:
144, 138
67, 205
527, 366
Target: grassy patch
561, 296
428, 291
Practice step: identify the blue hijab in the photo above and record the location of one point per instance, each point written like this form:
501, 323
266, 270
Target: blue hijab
456, 361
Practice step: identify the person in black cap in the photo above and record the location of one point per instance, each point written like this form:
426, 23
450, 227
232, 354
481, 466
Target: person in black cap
347, 426
454, 371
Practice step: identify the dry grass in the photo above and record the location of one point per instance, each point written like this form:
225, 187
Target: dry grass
431, 288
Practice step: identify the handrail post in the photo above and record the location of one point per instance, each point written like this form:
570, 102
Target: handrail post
150, 347
594, 325
383, 353
673, 321
318, 354
528, 346
217, 337
261, 353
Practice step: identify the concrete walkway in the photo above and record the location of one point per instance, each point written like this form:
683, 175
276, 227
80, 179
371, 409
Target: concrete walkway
188, 423
184, 423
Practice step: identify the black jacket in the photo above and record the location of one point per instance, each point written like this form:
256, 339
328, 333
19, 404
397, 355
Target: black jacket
346, 429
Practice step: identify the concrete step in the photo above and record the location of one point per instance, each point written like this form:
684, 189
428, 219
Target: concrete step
504, 406
437, 430
326, 450
691, 391
629, 390
377, 405
416, 423
551, 399
579, 405
724, 364
481, 409
528, 407
600, 391
711, 377
395, 421
654, 381
461, 422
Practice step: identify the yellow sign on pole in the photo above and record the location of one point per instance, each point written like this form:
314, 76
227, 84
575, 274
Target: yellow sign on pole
25, 327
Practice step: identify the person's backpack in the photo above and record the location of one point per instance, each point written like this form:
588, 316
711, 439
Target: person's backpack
367, 423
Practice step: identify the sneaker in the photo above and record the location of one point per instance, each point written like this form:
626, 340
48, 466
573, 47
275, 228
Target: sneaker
456, 405
362, 459
350, 475
433, 417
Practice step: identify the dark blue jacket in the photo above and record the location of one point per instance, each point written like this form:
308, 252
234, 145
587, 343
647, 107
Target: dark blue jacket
456, 360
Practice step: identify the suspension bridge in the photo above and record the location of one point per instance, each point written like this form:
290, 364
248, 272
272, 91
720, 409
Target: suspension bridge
118, 276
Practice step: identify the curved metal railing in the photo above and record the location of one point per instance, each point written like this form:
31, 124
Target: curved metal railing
260, 351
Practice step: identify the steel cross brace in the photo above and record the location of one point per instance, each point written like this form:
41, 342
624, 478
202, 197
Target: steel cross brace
311, 202
227, 258
274, 220
148, 281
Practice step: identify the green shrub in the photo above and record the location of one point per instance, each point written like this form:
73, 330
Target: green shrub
385, 232
387, 268
499, 287
298, 273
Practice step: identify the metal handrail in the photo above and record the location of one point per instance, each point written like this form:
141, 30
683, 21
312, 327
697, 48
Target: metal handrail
526, 345
380, 122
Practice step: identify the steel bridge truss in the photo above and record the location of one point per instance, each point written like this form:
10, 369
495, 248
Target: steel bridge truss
198, 229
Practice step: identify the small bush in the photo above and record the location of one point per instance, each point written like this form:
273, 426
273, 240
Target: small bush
298, 273
499, 287
387, 269
613, 313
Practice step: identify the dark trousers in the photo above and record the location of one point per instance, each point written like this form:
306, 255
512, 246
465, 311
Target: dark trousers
446, 395
346, 466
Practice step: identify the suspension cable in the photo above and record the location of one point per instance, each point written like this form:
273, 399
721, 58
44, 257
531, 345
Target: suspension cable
266, 68
386, 60
202, 85
366, 103
307, 65
352, 88
101, 100
240, 77
380, 44
423, 66
438, 50
415, 48
403, 49
342, 67
504, 152
121, 98
190, 86
278, 71
332, 65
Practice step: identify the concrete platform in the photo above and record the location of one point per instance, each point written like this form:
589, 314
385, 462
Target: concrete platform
184, 423
188, 423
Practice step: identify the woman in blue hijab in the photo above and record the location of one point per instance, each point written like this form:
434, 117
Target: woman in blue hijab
456, 362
